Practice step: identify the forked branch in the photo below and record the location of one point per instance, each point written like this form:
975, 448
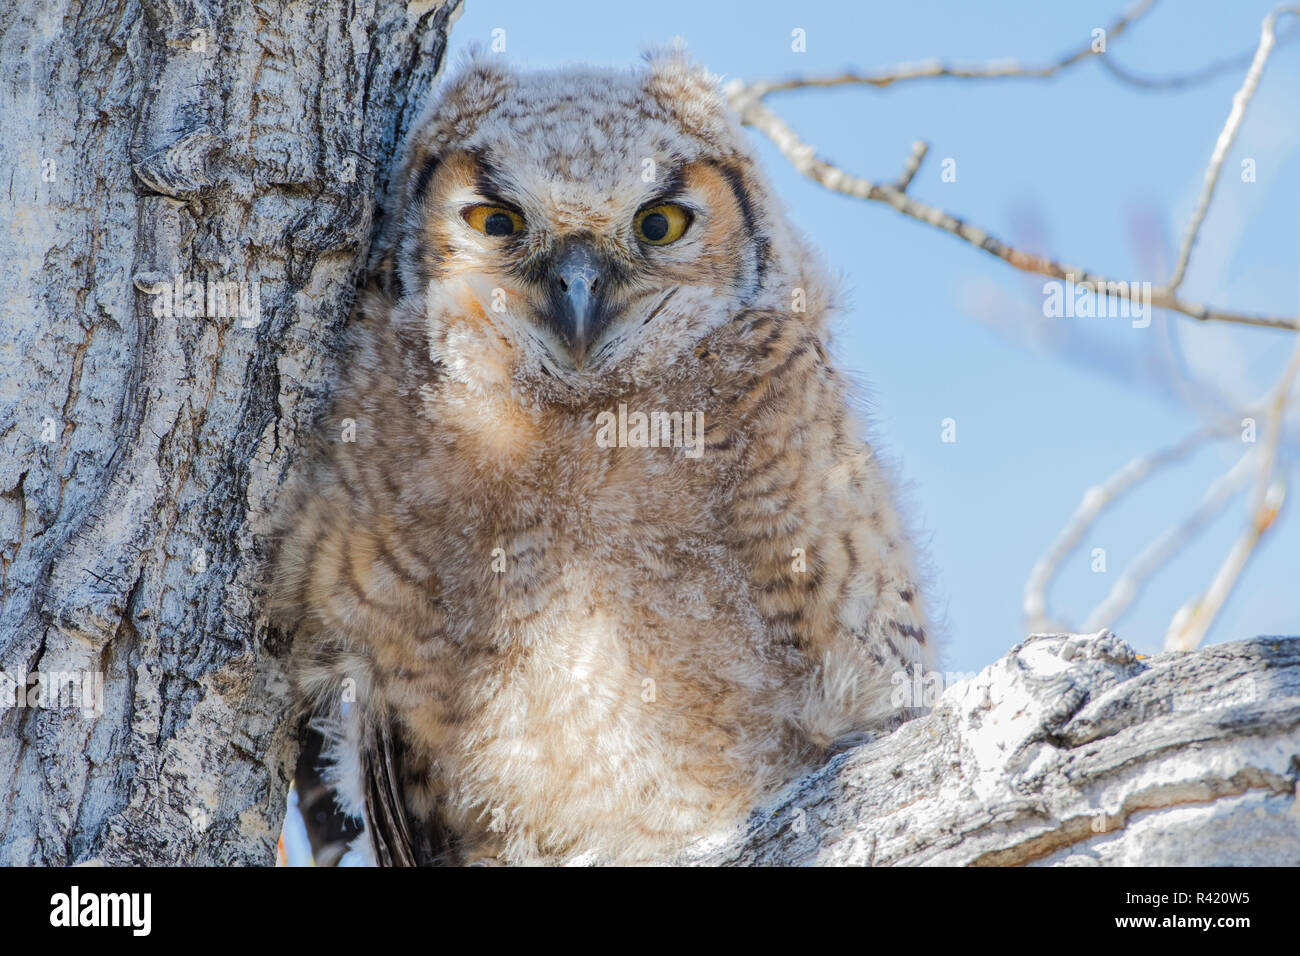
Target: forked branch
748, 101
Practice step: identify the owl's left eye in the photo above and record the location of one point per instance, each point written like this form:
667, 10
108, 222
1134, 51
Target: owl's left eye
661, 224
493, 220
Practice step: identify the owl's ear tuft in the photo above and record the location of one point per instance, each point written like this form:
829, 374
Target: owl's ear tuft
689, 92
671, 73
476, 86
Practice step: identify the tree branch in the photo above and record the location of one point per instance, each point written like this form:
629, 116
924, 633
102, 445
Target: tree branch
938, 69
1071, 751
747, 100
1193, 620
1169, 544
1224, 143
1096, 500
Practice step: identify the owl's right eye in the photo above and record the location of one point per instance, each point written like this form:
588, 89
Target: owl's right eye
493, 220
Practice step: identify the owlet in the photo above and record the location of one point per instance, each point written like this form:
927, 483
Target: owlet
590, 558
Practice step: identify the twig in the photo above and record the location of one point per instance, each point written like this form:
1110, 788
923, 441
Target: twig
753, 112
938, 69
1160, 551
1183, 81
747, 100
1096, 500
1194, 619
919, 149
1227, 136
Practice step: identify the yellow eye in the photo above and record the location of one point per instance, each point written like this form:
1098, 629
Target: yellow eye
662, 224
494, 220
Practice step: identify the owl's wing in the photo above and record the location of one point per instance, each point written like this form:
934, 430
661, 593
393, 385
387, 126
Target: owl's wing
387, 826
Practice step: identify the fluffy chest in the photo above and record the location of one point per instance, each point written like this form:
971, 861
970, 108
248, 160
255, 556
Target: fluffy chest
622, 676
613, 683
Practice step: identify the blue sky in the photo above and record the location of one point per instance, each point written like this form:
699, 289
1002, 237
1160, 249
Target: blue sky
1081, 167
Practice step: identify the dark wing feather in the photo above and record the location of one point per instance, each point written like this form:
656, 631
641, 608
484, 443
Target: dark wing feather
387, 825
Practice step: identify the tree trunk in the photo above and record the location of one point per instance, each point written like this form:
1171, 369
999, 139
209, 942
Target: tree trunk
240, 145
1069, 751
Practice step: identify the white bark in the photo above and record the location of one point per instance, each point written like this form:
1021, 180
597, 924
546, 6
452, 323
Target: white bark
1068, 751
238, 141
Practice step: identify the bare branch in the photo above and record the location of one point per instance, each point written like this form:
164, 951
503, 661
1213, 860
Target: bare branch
937, 69
1183, 81
919, 149
1227, 136
1194, 619
747, 100
1096, 500
753, 112
1169, 544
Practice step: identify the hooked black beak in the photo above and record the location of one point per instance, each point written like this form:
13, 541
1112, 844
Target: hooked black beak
577, 299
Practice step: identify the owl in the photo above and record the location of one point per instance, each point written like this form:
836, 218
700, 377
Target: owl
591, 556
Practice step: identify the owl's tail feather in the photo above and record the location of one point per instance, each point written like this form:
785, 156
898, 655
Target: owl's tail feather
387, 825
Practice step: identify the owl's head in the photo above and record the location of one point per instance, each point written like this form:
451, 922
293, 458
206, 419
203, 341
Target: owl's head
574, 232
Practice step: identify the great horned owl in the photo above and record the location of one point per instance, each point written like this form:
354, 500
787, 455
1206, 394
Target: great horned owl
594, 558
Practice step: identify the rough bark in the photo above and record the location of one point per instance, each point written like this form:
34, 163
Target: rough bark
237, 141
1068, 751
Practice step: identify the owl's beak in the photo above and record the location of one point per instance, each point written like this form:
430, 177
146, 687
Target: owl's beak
576, 298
